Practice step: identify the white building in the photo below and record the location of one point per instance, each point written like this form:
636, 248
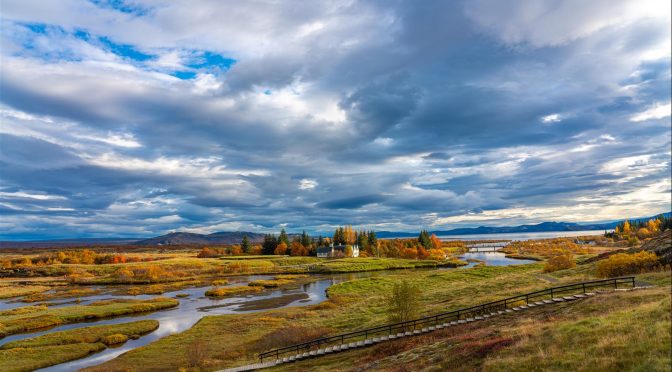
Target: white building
336, 250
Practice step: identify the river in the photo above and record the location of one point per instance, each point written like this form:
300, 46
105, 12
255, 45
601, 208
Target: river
197, 305
523, 236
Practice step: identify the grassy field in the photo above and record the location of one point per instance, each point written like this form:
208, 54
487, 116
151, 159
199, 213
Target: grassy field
35, 317
357, 304
7, 290
29, 359
59, 347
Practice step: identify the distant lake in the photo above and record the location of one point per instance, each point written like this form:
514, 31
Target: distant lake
522, 236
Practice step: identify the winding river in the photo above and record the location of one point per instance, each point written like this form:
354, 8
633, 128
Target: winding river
196, 305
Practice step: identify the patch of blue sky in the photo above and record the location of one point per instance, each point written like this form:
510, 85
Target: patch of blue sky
204, 61
124, 50
184, 75
121, 6
209, 60
32, 42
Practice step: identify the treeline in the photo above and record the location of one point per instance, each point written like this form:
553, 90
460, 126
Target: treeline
423, 247
634, 231
84, 257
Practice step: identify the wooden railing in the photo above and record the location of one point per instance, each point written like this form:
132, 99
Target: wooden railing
455, 315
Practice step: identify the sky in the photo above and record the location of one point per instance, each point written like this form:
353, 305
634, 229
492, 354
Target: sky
142, 117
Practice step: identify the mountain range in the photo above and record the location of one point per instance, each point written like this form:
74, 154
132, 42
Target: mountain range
235, 237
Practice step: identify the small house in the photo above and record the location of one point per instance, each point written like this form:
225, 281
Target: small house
336, 251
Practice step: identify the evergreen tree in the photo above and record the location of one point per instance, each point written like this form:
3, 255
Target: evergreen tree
270, 243
245, 245
339, 236
373, 242
320, 241
283, 237
373, 239
305, 239
424, 239
362, 241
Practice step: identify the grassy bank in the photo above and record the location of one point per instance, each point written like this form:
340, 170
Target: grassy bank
87, 335
59, 347
29, 318
236, 339
29, 359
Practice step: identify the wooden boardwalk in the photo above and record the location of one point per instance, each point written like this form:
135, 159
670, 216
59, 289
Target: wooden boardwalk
376, 340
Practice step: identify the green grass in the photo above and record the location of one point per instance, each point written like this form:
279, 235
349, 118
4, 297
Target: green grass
29, 359
86, 334
8, 291
35, 317
236, 339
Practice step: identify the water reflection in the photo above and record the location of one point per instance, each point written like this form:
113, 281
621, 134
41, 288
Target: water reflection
492, 259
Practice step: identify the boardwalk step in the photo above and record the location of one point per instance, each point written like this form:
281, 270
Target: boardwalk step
374, 340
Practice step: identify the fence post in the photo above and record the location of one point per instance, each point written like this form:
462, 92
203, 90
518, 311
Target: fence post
527, 300
584, 287
616, 283
551, 293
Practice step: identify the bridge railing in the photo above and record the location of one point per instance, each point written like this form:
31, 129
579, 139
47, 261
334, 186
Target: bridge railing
455, 315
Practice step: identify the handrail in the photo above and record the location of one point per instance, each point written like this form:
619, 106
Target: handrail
502, 304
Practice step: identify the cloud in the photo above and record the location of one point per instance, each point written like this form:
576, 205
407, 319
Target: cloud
657, 111
123, 119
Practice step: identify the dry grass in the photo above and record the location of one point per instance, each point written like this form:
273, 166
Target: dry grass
229, 291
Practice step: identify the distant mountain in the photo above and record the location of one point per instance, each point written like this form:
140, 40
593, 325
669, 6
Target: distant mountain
67, 243
235, 237
182, 238
541, 227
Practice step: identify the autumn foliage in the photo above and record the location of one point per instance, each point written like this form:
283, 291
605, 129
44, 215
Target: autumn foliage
625, 264
559, 259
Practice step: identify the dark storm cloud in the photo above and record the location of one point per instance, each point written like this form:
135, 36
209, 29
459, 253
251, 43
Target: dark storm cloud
394, 115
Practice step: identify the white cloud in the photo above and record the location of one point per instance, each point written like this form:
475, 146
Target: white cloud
551, 118
307, 184
657, 111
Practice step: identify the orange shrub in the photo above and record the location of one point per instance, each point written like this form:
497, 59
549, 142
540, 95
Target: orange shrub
437, 254
624, 264
281, 249
559, 259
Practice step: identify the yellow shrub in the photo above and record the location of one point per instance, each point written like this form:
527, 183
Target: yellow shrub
625, 264
559, 259
114, 339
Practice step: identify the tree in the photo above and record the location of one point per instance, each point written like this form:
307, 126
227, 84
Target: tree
339, 236
348, 251
350, 235
362, 241
245, 245
281, 249
269, 244
403, 302
424, 239
306, 242
283, 237
436, 242
626, 227
373, 241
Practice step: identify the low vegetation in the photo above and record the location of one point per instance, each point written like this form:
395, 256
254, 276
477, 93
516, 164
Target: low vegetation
8, 290
35, 317
357, 304
230, 291
625, 264
58, 347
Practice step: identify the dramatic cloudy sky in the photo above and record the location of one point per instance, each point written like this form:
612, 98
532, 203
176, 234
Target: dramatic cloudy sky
136, 118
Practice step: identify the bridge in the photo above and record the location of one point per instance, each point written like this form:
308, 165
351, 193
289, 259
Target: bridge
387, 332
487, 247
